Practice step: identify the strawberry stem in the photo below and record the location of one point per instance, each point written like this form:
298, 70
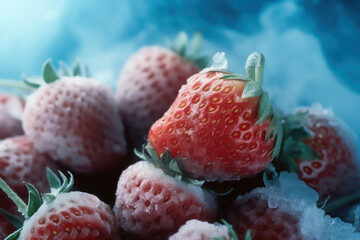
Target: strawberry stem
254, 67
14, 197
9, 83
341, 202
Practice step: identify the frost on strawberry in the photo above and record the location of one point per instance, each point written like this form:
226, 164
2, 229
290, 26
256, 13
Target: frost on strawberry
222, 125
19, 162
153, 205
320, 148
11, 109
285, 209
61, 214
74, 119
149, 82
199, 230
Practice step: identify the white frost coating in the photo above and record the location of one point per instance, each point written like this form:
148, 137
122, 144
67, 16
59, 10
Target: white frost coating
219, 63
63, 203
151, 172
254, 60
343, 129
291, 195
198, 230
15, 107
354, 217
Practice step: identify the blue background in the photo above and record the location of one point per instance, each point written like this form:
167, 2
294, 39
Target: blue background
311, 47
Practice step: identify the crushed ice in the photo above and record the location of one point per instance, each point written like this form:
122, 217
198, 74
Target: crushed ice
219, 63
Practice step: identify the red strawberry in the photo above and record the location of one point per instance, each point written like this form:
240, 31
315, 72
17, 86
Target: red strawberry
319, 147
153, 205
20, 162
75, 121
252, 212
149, 83
11, 109
221, 126
198, 230
63, 215
6, 227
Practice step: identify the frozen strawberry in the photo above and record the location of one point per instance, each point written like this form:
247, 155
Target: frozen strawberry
63, 215
75, 121
6, 227
320, 148
20, 162
198, 230
11, 109
153, 205
149, 83
221, 126
285, 209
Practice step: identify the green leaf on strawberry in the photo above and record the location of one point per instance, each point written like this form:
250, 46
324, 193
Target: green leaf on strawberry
166, 163
293, 147
35, 201
50, 75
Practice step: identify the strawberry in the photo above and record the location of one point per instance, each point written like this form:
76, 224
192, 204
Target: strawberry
319, 147
150, 81
62, 214
153, 205
286, 208
6, 227
11, 109
20, 162
75, 121
221, 126
252, 212
198, 230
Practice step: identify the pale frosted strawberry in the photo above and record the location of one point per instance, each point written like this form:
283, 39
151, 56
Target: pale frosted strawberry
285, 209
199, 230
75, 121
154, 205
252, 212
74, 215
149, 83
11, 109
20, 162
63, 215
321, 149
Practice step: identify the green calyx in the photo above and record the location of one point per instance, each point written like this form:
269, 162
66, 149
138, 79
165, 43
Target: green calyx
50, 75
293, 147
166, 163
254, 68
35, 200
191, 53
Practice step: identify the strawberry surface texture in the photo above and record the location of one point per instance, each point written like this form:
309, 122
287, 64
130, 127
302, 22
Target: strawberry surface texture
328, 161
75, 121
147, 87
199, 230
73, 215
11, 109
218, 127
20, 162
153, 205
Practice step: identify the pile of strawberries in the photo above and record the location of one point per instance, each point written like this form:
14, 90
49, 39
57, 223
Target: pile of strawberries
204, 140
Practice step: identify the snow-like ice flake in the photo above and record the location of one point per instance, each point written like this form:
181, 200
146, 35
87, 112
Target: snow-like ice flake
220, 63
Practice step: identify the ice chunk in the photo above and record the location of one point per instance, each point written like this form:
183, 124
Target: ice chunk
219, 63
